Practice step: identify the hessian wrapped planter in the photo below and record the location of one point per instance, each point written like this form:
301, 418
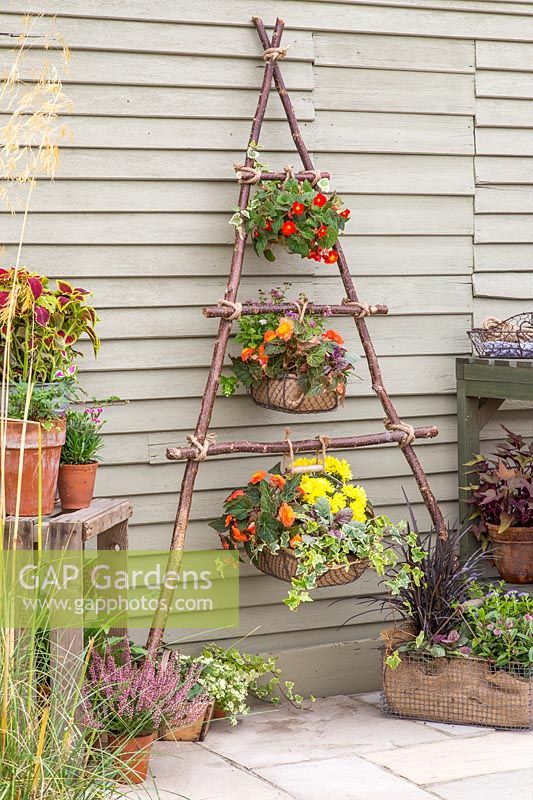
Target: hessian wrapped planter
283, 565
285, 394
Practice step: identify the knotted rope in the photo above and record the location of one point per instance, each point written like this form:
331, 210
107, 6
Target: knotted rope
315, 173
288, 169
247, 174
273, 53
404, 427
301, 308
202, 447
325, 441
366, 310
237, 309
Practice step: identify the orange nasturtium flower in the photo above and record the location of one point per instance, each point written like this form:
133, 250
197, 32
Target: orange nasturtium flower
285, 329
278, 481
286, 515
238, 535
294, 541
257, 477
269, 335
247, 353
333, 336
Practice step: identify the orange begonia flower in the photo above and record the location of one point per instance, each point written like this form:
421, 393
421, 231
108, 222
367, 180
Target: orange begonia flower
238, 535
294, 541
285, 329
269, 335
236, 493
247, 353
333, 336
257, 477
251, 528
286, 515
278, 481
228, 520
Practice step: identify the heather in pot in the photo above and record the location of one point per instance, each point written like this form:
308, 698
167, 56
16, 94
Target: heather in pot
501, 494
79, 464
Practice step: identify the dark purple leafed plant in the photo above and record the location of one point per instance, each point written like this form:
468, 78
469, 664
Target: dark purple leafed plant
501, 491
122, 697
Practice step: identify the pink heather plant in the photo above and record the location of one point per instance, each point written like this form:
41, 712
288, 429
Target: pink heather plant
132, 699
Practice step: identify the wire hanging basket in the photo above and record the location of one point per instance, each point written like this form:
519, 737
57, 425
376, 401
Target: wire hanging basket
510, 338
283, 565
286, 394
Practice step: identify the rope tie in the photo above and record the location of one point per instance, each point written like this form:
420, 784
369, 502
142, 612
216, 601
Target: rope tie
288, 169
236, 309
316, 175
202, 447
404, 427
273, 53
325, 441
365, 309
301, 308
245, 174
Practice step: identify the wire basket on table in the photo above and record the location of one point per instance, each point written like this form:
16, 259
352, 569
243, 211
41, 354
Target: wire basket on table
510, 338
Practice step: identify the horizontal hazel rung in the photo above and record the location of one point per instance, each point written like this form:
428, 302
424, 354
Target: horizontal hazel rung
299, 446
342, 310
242, 172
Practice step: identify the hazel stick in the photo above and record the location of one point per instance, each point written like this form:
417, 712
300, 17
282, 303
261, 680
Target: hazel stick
342, 310
372, 360
177, 542
280, 176
299, 446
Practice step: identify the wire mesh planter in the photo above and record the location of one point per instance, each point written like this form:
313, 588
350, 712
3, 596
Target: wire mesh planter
286, 394
460, 691
283, 565
510, 338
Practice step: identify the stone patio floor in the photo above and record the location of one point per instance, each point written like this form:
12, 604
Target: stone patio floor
343, 749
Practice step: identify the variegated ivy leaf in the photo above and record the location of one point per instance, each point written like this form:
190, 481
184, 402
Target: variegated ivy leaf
323, 184
393, 661
236, 220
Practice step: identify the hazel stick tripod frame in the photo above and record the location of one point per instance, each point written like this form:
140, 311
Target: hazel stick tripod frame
201, 443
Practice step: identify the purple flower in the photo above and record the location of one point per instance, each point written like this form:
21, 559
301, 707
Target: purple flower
528, 617
497, 632
465, 650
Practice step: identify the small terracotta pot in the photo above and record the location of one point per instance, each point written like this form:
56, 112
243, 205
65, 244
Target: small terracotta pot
52, 441
219, 713
513, 553
134, 754
76, 485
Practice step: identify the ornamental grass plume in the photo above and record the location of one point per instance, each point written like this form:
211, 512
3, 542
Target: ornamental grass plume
122, 697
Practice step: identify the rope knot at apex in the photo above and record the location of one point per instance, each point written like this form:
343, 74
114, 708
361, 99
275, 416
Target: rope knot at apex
408, 431
202, 447
237, 309
273, 53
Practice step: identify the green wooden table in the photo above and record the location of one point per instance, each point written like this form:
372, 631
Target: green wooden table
482, 386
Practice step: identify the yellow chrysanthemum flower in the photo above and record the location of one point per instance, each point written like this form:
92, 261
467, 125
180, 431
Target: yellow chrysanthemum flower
313, 488
338, 502
354, 492
359, 511
338, 467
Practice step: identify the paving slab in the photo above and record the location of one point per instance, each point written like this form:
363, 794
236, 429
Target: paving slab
516, 785
453, 759
334, 726
344, 778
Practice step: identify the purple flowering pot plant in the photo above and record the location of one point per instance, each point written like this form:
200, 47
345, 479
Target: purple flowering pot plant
129, 701
501, 496
39, 328
289, 361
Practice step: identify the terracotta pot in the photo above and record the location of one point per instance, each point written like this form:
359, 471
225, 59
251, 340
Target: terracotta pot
76, 485
219, 713
513, 553
51, 443
133, 753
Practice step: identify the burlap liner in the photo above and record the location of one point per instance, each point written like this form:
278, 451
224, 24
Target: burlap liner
283, 565
464, 691
285, 394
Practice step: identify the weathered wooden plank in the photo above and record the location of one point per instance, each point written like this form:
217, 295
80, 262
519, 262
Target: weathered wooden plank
499, 257
427, 375
509, 285
504, 228
325, 16
517, 85
503, 169
393, 52
504, 199
494, 113
504, 142
388, 90
127, 36
157, 69
502, 55
368, 255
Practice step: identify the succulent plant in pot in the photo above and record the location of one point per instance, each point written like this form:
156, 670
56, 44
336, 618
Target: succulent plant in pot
79, 458
501, 496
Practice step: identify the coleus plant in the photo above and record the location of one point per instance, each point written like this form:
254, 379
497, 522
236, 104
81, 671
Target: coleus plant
501, 491
293, 214
324, 520
40, 326
277, 345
